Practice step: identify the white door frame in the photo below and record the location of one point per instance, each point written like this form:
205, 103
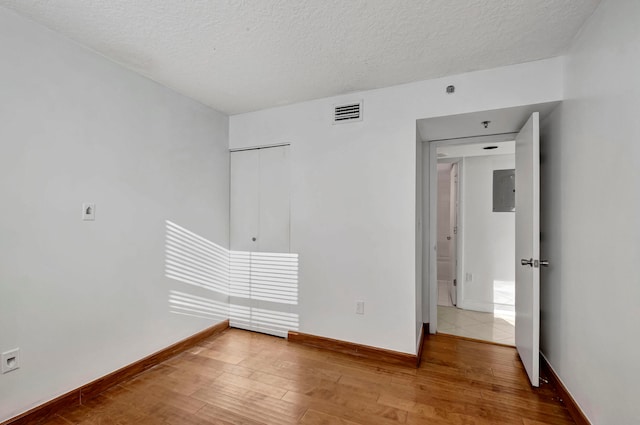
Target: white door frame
432, 168
457, 230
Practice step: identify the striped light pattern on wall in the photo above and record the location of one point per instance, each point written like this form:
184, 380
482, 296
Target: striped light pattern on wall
255, 290
195, 260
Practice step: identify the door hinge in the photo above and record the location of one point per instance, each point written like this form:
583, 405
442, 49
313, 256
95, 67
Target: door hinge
455, 282
455, 230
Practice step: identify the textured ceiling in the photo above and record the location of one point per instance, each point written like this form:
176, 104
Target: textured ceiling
244, 55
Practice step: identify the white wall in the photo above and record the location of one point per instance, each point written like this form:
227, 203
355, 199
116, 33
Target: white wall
353, 200
418, 243
590, 209
82, 299
489, 237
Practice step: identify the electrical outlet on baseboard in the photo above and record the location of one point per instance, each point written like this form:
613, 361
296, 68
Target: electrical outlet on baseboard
359, 307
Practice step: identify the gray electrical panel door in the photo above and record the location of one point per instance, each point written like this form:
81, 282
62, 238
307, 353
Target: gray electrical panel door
504, 190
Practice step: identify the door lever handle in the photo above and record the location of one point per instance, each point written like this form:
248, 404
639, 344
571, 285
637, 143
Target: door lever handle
526, 262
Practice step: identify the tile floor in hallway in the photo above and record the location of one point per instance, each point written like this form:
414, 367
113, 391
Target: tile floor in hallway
495, 327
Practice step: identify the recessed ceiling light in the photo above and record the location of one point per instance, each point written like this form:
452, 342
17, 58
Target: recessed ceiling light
488, 148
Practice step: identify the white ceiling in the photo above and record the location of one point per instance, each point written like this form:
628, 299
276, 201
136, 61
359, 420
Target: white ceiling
244, 55
476, 149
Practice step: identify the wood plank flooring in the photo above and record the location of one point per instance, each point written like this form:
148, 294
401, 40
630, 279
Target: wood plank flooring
240, 377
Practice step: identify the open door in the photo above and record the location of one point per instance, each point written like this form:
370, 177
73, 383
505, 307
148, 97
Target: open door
528, 247
453, 232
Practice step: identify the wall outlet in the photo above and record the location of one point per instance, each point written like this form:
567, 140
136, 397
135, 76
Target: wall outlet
10, 360
88, 211
359, 307
469, 277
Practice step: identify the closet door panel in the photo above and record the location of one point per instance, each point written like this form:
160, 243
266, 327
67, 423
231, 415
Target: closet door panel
263, 275
274, 200
244, 200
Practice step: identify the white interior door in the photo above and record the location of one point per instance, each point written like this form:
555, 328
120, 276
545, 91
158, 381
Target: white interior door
445, 260
453, 232
263, 275
244, 199
528, 247
444, 225
274, 200
244, 218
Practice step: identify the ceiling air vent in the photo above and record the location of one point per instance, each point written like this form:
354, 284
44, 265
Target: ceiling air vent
349, 112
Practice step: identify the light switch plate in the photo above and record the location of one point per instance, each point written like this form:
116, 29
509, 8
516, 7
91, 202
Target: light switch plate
10, 360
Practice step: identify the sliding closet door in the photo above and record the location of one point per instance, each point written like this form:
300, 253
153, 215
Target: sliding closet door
263, 272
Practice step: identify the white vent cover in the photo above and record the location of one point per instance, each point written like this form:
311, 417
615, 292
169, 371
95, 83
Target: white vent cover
348, 112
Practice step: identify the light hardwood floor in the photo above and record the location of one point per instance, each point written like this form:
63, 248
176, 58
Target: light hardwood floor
241, 377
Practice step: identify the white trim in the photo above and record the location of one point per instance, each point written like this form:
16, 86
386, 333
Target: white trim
472, 140
460, 233
432, 169
252, 148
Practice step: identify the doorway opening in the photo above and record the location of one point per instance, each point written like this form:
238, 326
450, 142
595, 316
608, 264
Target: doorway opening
476, 240
522, 124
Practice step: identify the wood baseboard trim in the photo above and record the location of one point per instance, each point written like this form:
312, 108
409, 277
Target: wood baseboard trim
547, 372
353, 349
424, 331
79, 395
40, 413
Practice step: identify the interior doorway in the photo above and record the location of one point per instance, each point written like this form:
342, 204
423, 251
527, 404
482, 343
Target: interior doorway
522, 124
491, 126
476, 283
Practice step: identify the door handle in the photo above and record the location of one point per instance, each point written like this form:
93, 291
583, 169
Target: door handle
526, 262
253, 239
448, 238
534, 263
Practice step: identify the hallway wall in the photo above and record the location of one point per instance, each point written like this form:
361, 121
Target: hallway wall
488, 237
